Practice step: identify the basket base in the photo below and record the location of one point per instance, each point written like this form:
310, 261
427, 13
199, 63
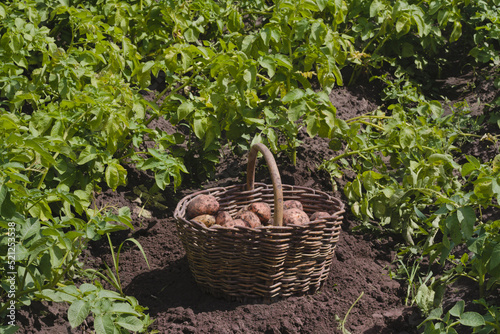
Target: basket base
256, 299
285, 288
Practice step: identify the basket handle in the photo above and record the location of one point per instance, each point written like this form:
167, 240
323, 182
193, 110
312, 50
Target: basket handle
275, 177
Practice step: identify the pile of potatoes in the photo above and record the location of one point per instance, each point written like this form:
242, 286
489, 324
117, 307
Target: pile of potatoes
205, 209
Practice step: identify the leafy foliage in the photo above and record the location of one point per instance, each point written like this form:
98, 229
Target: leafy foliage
73, 118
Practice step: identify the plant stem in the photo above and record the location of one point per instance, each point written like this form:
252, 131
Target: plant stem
372, 124
259, 12
347, 154
115, 264
481, 285
435, 193
290, 54
263, 77
494, 325
368, 116
342, 324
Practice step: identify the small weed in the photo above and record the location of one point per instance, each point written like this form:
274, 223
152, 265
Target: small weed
342, 322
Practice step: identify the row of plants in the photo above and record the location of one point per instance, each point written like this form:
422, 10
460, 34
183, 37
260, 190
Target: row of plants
73, 76
413, 181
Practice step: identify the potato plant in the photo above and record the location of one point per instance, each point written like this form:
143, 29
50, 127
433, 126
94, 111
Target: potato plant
408, 181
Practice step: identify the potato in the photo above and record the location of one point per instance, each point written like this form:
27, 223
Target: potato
202, 205
290, 204
222, 217
207, 220
236, 222
319, 214
251, 218
295, 216
262, 210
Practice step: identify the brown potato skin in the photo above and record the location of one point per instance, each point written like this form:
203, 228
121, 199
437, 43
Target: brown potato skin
248, 216
290, 204
222, 217
207, 220
202, 205
319, 214
262, 210
236, 222
295, 216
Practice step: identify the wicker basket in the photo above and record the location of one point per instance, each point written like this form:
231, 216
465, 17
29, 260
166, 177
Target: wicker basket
268, 262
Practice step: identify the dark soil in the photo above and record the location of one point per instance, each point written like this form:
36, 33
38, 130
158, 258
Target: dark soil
362, 265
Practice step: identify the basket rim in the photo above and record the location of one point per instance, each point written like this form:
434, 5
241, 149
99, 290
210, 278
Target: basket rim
336, 216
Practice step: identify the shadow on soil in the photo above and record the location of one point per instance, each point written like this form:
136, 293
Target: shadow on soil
172, 287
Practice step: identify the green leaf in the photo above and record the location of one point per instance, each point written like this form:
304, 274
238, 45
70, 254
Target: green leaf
78, 312
130, 322
7, 207
249, 76
86, 287
47, 159
3, 11
375, 7
184, 110
370, 178
435, 314
124, 308
407, 50
108, 294
407, 137
87, 155
29, 230
235, 22
494, 265
38, 247
189, 35
472, 319
200, 125
269, 64
457, 31
300, 29
467, 168
9, 329
443, 159
472, 159
313, 125
283, 60
138, 244
495, 165
115, 175
458, 309
293, 95
212, 133
467, 218
247, 43
297, 110
403, 25
265, 34
483, 188
103, 324
425, 297
476, 245
9, 122
453, 226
